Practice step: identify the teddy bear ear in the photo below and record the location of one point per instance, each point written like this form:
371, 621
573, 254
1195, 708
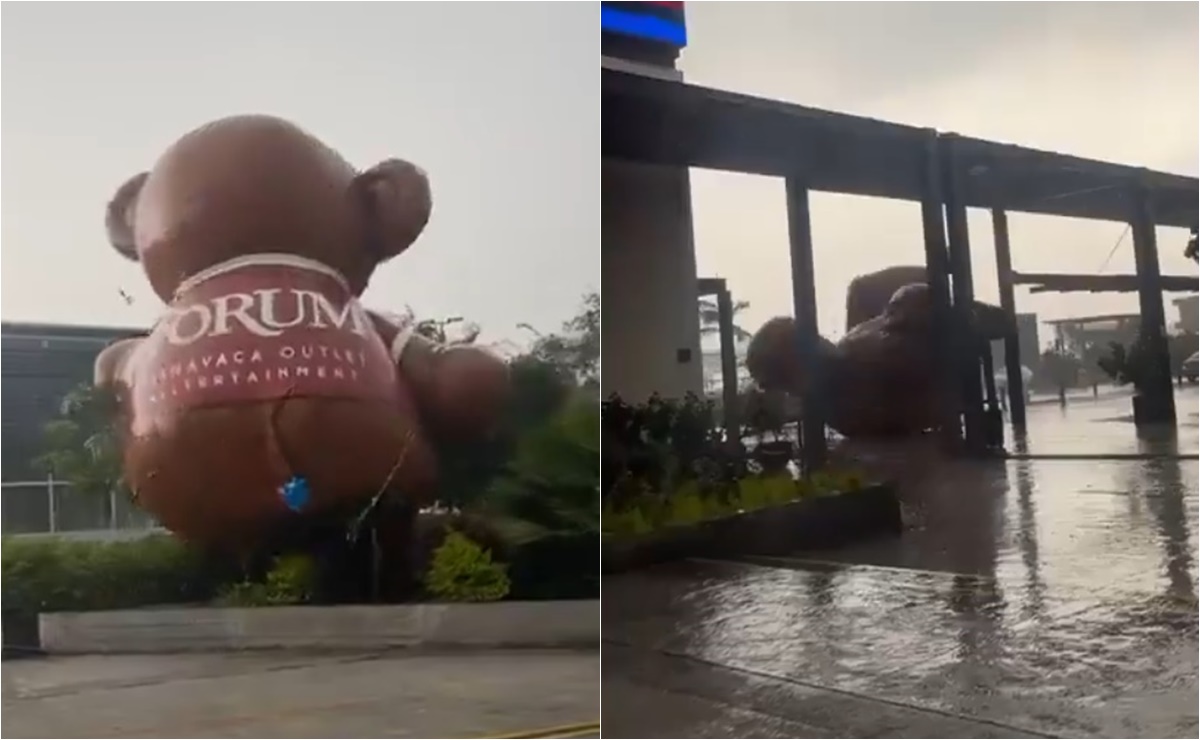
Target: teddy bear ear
120, 218
397, 202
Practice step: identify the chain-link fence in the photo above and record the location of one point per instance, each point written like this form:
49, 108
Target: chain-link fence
49, 506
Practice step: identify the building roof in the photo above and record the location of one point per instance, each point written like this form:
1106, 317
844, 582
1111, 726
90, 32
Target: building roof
672, 123
28, 328
17, 336
1097, 319
1042, 282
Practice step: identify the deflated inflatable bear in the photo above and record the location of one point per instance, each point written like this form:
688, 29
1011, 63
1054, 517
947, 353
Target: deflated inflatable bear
266, 391
881, 379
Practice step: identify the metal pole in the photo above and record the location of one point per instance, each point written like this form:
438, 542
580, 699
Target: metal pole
1012, 338
937, 275
53, 505
729, 379
804, 303
963, 305
994, 421
1157, 390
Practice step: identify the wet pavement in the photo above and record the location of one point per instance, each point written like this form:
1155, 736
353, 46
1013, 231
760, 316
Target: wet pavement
1026, 598
1104, 426
275, 694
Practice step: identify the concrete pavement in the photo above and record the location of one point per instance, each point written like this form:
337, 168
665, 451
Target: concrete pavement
277, 695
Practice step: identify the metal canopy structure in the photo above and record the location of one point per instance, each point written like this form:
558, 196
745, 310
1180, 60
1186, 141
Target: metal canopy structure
1042, 282
673, 123
667, 122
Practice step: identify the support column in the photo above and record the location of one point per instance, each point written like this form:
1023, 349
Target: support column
963, 293
937, 274
1156, 391
1012, 339
804, 304
993, 419
650, 324
729, 374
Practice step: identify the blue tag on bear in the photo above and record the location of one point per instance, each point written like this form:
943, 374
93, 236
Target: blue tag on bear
295, 493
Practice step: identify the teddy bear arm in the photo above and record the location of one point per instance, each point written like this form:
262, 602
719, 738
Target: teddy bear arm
461, 390
109, 368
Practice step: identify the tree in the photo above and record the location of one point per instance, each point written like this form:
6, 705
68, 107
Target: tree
1192, 251
1182, 346
577, 347
1135, 363
543, 380
82, 445
1060, 368
710, 318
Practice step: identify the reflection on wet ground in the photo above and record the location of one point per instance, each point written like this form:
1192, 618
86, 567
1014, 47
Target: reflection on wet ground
1027, 598
1104, 426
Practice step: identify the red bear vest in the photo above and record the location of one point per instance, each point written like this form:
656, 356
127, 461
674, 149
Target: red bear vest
259, 328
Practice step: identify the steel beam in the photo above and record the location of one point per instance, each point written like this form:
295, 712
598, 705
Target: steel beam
1012, 340
804, 304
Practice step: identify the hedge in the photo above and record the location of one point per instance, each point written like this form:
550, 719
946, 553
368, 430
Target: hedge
46, 574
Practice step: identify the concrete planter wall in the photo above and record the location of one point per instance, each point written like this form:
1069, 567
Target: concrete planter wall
20, 632
532, 624
809, 524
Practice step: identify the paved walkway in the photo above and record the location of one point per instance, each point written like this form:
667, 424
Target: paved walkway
1030, 598
275, 695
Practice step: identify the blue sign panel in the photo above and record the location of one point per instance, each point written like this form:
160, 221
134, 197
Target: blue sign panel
656, 22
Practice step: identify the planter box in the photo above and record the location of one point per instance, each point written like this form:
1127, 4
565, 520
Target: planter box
502, 624
815, 523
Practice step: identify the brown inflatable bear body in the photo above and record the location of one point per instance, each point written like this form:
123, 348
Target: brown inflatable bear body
265, 372
881, 379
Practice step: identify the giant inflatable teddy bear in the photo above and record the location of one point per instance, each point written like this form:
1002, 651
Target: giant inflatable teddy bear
881, 379
266, 392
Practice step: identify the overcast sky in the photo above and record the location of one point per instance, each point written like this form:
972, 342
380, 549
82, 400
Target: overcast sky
498, 101
1113, 81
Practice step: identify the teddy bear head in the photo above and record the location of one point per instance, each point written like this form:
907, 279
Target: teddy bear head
249, 185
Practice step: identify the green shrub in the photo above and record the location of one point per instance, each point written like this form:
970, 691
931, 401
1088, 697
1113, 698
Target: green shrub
690, 503
463, 571
553, 482
291, 580
45, 575
759, 492
244, 593
626, 522
559, 566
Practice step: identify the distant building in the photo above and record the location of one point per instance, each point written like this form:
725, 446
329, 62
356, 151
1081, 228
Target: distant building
39, 365
711, 359
1187, 307
1076, 335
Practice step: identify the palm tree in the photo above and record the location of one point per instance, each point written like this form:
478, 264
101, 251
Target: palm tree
710, 318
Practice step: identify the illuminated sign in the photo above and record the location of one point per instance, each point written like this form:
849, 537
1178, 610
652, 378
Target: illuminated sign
656, 22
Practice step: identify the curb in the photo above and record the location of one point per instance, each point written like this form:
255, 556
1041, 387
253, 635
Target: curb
504, 624
564, 731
